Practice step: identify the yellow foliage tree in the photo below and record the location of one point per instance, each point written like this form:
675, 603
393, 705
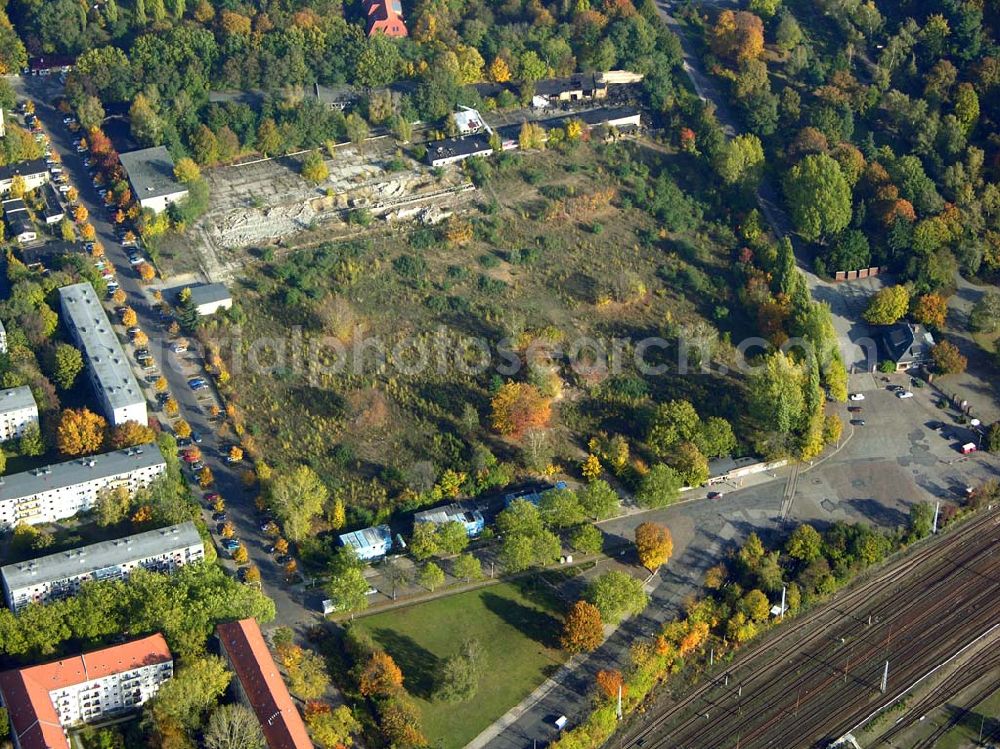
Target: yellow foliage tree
591, 468
146, 272
499, 70
205, 477
170, 408
129, 318
241, 555
142, 515
80, 432
80, 214
518, 407
182, 429
235, 454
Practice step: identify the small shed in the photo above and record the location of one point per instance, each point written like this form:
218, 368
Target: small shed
457, 512
369, 543
209, 298
531, 495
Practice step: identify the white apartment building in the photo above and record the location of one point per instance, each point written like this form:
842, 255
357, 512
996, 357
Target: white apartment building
44, 700
60, 575
17, 410
51, 493
109, 369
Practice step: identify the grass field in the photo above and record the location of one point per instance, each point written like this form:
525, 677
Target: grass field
517, 627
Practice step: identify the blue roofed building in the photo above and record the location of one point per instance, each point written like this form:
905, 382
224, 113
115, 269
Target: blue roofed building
531, 495
457, 512
369, 543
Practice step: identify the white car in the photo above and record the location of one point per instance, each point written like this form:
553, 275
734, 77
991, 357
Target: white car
857, 396
904, 393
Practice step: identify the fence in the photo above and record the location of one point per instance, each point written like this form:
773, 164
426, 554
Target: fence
854, 275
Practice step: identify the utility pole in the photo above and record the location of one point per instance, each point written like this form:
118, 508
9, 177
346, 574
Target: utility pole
937, 510
781, 617
885, 677
711, 658
619, 713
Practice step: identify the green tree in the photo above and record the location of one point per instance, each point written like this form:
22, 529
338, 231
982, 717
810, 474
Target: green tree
616, 595
424, 541
186, 171
805, 544
332, 728
308, 678
467, 567
739, 161
888, 305
348, 589
147, 127
192, 692
776, 401
755, 606
716, 439
688, 461
921, 520
587, 539
452, 538
460, 675
985, 314
31, 443
112, 505
268, 137
431, 576
66, 363
233, 727
819, 197
520, 552
90, 112
356, 128
660, 487
673, 422
599, 500
560, 508
298, 498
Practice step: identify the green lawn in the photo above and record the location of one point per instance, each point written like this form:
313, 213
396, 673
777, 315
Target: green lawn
518, 628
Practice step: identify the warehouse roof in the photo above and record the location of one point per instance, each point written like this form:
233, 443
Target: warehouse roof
207, 293
78, 471
151, 172
96, 557
103, 352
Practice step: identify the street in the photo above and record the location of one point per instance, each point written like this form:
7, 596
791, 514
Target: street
177, 369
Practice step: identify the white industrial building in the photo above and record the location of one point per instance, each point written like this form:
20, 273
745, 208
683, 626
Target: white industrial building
17, 410
51, 493
151, 173
109, 370
44, 701
209, 298
60, 575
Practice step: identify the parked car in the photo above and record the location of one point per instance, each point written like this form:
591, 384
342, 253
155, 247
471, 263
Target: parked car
197, 465
715, 495
858, 422
854, 409
195, 382
182, 441
179, 348
211, 496
904, 394
219, 517
230, 545
196, 437
857, 396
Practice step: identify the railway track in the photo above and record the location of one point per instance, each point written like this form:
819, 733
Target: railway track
807, 683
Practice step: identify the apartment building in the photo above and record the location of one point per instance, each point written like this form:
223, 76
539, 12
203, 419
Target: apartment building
50, 493
44, 700
17, 410
259, 685
109, 370
60, 575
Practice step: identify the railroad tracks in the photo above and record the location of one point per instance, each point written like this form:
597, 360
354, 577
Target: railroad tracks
807, 683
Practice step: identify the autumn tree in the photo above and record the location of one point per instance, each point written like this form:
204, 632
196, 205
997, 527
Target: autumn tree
888, 305
738, 36
583, 630
186, 171
611, 684
130, 434
930, 309
146, 272
205, 478
518, 407
80, 432
314, 169
654, 544
129, 317
948, 359
380, 676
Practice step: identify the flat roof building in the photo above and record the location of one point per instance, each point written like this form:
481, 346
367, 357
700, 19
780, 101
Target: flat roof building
369, 543
457, 512
60, 575
151, 173
208, 298
109, 369
453, 150
50, 493
17, 410
259, 685
43, 701
534, 496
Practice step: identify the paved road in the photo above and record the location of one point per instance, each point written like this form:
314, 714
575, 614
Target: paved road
239, 502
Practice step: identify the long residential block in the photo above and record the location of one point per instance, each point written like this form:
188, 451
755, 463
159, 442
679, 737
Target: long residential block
17, 410
52, 493
109, 369
44, 701
60, 575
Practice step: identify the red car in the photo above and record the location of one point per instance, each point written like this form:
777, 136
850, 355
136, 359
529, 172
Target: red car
211, 496
191, 457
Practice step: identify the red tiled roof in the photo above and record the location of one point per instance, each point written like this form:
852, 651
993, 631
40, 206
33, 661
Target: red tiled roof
244, 645
385, 16
25, 692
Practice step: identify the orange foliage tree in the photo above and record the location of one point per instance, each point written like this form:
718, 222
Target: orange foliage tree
80, 432
738, 35
609, 682
654, 545
130, 434
583, 630
380, 677
930, 309
518, 407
